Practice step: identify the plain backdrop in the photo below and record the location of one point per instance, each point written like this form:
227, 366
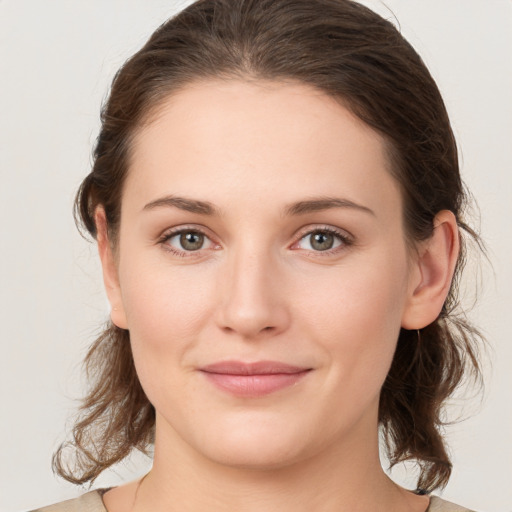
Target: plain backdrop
57, 58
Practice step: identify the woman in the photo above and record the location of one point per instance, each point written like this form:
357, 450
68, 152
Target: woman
278, 210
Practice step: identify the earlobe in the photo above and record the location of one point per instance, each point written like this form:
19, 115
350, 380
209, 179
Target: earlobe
109, 267
433, 273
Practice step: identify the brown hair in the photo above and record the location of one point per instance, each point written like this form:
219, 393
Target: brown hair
352, 54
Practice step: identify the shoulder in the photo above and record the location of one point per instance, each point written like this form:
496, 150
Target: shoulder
439, 505
89, 502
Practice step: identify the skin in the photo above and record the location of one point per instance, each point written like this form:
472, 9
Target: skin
259, 289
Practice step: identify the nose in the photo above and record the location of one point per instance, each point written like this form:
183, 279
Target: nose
252, 299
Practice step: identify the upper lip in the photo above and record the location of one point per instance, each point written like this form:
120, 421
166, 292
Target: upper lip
256, 368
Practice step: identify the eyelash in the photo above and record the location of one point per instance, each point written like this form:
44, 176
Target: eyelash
346, 241
344, 238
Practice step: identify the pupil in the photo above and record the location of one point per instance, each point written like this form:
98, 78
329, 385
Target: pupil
191, 241
322, 241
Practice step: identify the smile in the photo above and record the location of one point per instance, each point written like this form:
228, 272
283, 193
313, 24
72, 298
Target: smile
253, 379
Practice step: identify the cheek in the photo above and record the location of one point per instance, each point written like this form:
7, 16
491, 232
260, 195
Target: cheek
165, 312
356, 318
349, 316
361, 296
166, 306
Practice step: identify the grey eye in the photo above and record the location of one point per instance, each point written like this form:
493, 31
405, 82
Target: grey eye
185, 241
191, 240
321, 241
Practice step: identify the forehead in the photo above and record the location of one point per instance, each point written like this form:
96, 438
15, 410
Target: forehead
273, 139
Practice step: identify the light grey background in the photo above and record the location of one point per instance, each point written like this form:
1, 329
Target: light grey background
57, 59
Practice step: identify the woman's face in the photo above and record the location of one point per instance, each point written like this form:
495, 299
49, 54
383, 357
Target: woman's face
263, 272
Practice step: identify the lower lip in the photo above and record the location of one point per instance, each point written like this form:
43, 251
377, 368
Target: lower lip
254, 385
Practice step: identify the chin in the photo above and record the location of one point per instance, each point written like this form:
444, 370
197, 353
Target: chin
252, 448
258, 457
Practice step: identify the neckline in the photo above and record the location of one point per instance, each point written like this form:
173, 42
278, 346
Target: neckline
104, 490
101, 492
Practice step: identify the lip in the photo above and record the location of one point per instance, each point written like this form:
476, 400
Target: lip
253, 379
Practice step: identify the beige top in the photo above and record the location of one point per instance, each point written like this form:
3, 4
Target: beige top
92, 502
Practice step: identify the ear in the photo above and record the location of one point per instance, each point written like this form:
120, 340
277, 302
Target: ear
432, 273
110, 275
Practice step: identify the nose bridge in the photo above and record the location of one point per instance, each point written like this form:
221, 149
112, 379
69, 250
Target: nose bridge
252, 299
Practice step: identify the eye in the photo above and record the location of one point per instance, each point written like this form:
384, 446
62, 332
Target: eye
186, 240
326, 240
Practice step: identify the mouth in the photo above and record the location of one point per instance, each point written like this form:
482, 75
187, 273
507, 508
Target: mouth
253, 379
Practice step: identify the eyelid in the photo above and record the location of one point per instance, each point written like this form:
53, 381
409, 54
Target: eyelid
172, 232
345, 237
342, 233
184, 227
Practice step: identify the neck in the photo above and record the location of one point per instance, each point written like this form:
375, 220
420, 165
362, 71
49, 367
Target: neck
346, 476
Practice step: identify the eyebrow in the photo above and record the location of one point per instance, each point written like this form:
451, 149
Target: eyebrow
184, 203
323, 203
298, 208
